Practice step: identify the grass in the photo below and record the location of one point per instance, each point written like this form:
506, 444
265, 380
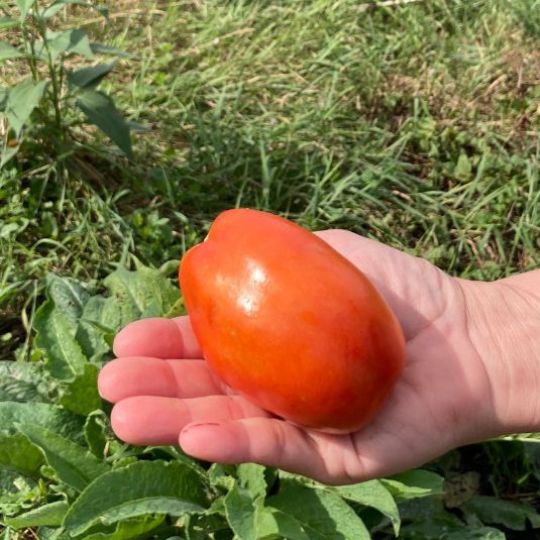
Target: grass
417, 125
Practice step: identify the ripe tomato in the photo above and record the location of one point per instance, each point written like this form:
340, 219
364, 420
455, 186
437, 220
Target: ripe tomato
290, 323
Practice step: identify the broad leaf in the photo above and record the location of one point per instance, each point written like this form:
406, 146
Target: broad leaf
130, 529
73, 464
374, 495
74, 41
81, 395
100, 110
322, 514
17, 493
252, 477
56, 419
135, 295
47, 515
24, 382
240, 513
55, 336
25, 6
7, 52
512, 515
413, 484
94, 331
90, 77
8, 22
17, 454
68, 295
144, 487
3, 98
22, 100
95, 433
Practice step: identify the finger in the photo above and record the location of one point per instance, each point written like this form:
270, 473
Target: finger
268, 441
144, 420
145, 376
159, 338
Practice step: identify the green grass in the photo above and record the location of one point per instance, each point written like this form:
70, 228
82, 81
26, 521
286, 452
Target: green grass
416, 125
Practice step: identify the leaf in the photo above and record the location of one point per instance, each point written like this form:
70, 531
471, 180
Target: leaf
374, 495
99, 48
68, 295
7, 52
136, 295
252, 478
144, 487
273, 523
90, 77
22, 100
92, 333
25, 6
482, 533
73, 464
55, 7
81, 395
7, 154
130, 529
240, 513
74, 41
65, 359
3, 98
17, 454
51, 417
322, 514
8, 22
95, 432
100, 110
24, 382
511, 514
463, 169
17, 493
50, 514
415, 483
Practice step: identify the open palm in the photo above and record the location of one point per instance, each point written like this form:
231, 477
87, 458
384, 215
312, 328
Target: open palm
164, 392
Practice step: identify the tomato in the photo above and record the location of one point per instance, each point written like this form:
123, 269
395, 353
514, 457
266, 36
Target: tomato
288, 322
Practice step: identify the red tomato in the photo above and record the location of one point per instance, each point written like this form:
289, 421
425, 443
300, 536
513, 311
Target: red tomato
290, 323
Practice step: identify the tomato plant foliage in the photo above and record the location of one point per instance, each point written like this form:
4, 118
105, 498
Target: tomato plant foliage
64, 475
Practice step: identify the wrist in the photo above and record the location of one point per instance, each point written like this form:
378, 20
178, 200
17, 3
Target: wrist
503, 325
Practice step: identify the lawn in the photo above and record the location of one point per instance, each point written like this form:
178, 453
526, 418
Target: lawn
413, 123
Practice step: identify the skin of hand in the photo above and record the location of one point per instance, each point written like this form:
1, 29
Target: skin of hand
472, 372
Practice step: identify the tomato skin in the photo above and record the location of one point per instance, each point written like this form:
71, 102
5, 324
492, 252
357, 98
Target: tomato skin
287, 321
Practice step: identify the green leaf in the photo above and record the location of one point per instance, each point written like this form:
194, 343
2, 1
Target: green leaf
322, 514
273, 523
8, 22
8, 153
7, 52
25, 6
74, 41
81, 395
73, 464
144, 487
24, 382
17, 493
240, 513
22, 100
252, 477
47, 515
68, 295
374, 495
130, 529
511, 514
93, 334
99, 48
481, 533
136, 295
100, 110
17, 454
4, 92
90, 77
55, 7
65, 359
463, 169
95, 432
56, 419
413, 484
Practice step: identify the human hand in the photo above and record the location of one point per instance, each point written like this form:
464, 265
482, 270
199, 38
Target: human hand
164, 392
